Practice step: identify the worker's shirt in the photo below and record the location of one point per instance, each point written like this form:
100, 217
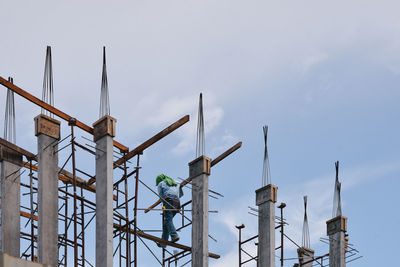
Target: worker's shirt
165, 191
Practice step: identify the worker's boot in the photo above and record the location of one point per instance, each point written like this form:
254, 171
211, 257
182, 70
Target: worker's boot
174, 238
160, 245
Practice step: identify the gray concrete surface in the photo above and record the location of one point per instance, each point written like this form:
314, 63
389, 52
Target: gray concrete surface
104, 201
10, 261
200, 184
48, 199
265, 200
305, 255
336, 229
10, 207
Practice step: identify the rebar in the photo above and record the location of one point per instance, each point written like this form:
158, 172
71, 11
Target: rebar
9, 120
48, 91
200, 144
337, 206
266, 175
104, 98
306, 232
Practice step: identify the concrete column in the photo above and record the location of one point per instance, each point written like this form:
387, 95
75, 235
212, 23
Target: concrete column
47, 131
305, 256
265, 200
10, 164
336, 229
199, 170
104, 131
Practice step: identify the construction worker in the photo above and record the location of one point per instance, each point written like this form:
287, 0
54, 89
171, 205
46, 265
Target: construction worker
169, 192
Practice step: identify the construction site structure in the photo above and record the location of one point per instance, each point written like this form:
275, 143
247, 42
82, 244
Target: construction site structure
51, 226
47, 214
340, 251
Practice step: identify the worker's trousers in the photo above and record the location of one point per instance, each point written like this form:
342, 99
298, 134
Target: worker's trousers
168, 224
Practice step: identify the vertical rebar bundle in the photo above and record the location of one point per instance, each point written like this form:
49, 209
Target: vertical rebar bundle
337, 205
266, 175
306, 232
48, 92
9, 120
104, 99
200, 146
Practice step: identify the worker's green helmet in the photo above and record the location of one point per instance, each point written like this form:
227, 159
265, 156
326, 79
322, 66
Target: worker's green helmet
160, 178
168, 180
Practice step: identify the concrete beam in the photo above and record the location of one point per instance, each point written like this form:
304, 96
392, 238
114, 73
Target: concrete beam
266, 198
10, 164
47, 131
104, 131
199, 171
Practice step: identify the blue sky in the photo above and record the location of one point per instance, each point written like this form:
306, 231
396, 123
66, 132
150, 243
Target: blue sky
323, 75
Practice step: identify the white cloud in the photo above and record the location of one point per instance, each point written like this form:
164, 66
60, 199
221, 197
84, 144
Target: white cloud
224, 142
311, 61
236, 216
158, 63
213, 115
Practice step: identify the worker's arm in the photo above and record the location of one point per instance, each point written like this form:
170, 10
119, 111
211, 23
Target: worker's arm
159, 201
159, 190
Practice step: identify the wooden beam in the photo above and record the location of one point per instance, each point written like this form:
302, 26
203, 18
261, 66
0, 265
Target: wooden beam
139, 233
67, 177
28, 215
216, 160
213, 162
155, 204
18, 149
152, 140
160, 240
226, 153
52, 109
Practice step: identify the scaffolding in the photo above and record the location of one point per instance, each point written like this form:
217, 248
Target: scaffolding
76, 188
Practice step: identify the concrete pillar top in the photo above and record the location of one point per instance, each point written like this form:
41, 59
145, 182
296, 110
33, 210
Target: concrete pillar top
201, 165
104, 126
304, 250
9, 155
266, 193
47, 125
336, 224
306, 256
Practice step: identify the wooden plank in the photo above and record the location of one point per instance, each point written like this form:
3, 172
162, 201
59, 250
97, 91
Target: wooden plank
18, 149
141, 234
155, 204
161, 241
67, 177
28, 215
226, 153
213, 162
152, 140
52, 109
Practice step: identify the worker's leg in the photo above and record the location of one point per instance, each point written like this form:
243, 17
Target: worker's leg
165, 232
172, 230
